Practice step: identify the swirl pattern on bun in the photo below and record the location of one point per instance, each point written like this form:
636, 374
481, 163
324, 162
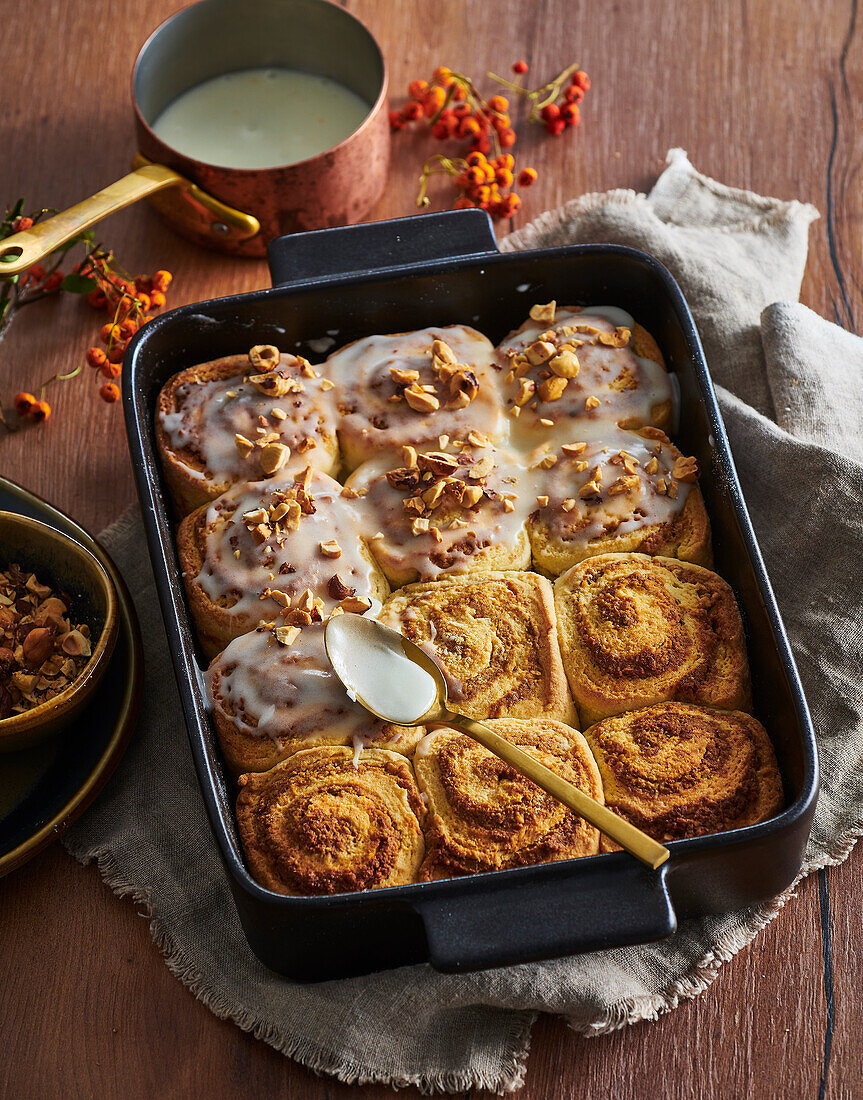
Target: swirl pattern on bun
319, 823
494, 636
676, 770
636, 630
484, 816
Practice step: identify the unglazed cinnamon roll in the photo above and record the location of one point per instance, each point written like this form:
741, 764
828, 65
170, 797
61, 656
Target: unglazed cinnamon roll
484, 816
322, 823
449, 511
271, 698
287, 550
494, 636
676, 770
636, 630
242, 418
567, 367
413, 387
625, 491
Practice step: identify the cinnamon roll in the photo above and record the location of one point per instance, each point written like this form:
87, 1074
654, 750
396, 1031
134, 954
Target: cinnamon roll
636, 630
271, 697
485, 816
625, 491
494, 636
287, 550
677, 770
242, 418
569, 367
413, 387
322, 823
446, 511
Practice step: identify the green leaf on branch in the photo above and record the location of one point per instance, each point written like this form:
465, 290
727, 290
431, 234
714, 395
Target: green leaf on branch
78, 284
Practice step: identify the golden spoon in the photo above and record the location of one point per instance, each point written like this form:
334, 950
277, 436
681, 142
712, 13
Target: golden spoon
399, 683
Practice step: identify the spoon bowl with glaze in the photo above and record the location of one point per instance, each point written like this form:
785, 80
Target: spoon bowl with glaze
398, 682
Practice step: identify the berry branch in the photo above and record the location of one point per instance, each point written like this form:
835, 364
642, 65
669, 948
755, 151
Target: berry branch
454, 110
100, 279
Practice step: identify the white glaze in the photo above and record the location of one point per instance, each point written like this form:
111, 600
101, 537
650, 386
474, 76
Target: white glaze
287, 692
487, 524
209, 415
610, 514
373, 666
370, 421
245, 578
628, 387
260, 118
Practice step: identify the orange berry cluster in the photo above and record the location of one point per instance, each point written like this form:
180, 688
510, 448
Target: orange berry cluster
130, 303
454, 110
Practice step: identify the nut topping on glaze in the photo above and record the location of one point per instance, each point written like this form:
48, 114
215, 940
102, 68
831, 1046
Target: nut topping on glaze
264, 357
544, 313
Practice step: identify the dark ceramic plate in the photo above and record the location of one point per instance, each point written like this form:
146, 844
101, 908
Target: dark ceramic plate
43, 789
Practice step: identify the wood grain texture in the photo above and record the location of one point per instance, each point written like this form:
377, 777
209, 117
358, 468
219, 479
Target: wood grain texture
761, 95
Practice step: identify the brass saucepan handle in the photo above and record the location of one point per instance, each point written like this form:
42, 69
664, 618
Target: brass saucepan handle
29, 246
635, 842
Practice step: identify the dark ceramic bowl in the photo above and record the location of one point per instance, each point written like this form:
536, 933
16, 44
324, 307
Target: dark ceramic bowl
65, 566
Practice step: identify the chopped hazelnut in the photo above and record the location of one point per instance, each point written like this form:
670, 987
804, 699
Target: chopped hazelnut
591, 403
243, 445
286, 635
540, 351
274, 456
419, 400
264, 357
552, 388
565, 364
685, 469
330, 549
544, 313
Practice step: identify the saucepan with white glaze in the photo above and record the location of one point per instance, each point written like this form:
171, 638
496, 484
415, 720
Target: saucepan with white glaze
253, 120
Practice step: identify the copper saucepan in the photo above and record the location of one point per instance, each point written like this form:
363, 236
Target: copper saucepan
240, 210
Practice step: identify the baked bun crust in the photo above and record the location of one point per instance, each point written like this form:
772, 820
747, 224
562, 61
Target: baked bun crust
202, 410
593, 366
676, 770
272, 699
484, 816
626, 491
636, 630
452, 511
377, 382
242, 567
494, 635
319, 823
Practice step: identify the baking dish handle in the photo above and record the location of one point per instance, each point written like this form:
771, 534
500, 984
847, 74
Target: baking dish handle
399, 245
620, 903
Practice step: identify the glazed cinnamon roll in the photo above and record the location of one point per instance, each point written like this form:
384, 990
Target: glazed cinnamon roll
449, 511
485, 816
411, 388
636, 630
676, 770
242, 418
494, 636
569, 367
321, 823
287, 550
271, 697
625, 491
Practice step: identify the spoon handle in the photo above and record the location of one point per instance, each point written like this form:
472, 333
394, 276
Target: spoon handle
635, 842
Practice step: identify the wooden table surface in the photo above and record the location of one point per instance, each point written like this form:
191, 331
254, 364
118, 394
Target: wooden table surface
762, 95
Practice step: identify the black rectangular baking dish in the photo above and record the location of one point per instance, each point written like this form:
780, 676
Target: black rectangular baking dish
332, 286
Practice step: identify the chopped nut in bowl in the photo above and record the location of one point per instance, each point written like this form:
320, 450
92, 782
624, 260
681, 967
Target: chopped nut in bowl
58, 626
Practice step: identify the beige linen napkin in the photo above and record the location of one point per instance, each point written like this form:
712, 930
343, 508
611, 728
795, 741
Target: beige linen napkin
792, 394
